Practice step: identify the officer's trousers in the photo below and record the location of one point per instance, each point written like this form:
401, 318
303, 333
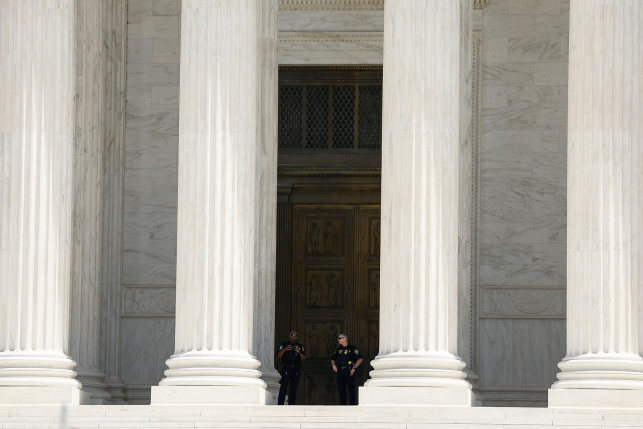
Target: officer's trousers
345, 380
288, 376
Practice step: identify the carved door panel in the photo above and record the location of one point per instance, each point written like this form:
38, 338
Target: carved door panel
368, 286
323, 278
328, 261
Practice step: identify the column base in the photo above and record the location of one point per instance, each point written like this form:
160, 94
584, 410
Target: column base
92, 380
595, 398
271, 377
424, 396
210, 395
473, 379
37, 395
116, 389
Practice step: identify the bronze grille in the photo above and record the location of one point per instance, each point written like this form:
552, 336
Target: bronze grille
317, 117
290, 131
343, 117
330, 109
370, 117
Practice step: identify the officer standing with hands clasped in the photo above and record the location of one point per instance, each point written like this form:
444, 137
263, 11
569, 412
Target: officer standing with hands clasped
292, 354
345, 361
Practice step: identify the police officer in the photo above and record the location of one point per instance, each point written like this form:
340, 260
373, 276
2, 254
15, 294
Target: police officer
345, 361
292, 354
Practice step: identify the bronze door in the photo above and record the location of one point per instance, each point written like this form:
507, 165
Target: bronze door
335, 288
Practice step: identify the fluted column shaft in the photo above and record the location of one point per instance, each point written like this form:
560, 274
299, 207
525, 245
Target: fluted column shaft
266, 258
605, 182
114, 56
36, 191
87, 204
217, 206
420, 202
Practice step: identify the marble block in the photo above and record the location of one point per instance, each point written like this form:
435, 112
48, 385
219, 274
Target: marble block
595, 398
330, 48
330, 20
421, 396
41, 395
210, 395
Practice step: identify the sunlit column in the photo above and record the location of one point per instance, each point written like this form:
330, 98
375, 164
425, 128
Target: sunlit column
603, 366
37, 84
264, 330
418, 360
217, 207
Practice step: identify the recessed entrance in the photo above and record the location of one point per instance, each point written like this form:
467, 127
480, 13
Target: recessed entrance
335, 288
328, 279
328, 233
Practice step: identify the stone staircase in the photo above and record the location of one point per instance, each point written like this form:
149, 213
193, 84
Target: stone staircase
331, 417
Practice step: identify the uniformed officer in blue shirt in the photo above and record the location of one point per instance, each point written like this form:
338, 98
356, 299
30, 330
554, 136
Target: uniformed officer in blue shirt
292, 354
345, 361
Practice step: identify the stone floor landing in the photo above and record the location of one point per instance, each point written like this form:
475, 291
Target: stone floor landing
319, 417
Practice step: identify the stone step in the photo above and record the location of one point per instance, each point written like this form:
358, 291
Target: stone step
332, 417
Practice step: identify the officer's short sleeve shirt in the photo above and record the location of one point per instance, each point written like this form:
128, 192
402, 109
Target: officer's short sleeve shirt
290, 356
335, 355
345, 356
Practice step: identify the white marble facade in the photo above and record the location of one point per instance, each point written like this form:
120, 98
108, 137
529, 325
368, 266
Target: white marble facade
150, 194
110, 258
523, 189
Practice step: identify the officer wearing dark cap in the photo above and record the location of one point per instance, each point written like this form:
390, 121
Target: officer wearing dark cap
292, 354
345, 361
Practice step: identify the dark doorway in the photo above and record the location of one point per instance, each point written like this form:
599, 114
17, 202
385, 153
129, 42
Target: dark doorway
328, 217
328, 281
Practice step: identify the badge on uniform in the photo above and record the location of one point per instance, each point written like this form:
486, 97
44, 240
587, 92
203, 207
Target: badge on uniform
345, 352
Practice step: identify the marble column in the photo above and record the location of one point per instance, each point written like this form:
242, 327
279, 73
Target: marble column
114, 56
37, 78
217, 208
466, 293
87, 205
603, 366
266, 257
418, 362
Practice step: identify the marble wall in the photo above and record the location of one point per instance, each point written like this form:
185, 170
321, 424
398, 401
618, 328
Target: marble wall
523, 209
147, 343
316, 21
522, 182
151, 152
517, 357
316, 37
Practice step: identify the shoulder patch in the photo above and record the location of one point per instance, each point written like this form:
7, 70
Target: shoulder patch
281, 347
356, 351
